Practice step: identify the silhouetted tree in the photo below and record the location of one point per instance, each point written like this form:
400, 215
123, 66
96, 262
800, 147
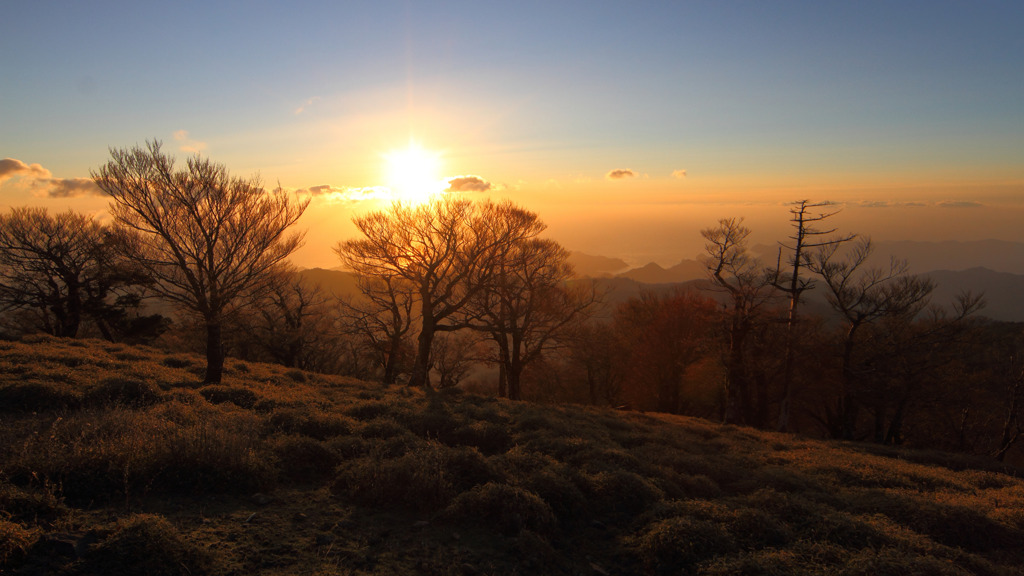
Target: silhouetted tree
527, 306
594, 349
750, 290
863, 294
65, 268
382, 314
447, 248
788, 279
290, 321
453, 356
666, 336
208, 238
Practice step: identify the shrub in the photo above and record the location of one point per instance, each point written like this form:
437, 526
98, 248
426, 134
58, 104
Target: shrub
890, 562
302, 459
488, 437
621, 494
296, 375
308, 422
20, 505
675, 545
416, 480
148, 544
554, 485
220, 393
122, 391
466, 467
100, 456
505, 508
15, 540
37, 397
176, 362
371, 410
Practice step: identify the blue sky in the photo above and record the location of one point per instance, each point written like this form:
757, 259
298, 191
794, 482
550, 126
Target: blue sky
912, 107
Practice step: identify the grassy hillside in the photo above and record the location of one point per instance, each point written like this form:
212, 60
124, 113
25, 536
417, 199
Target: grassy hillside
116, 459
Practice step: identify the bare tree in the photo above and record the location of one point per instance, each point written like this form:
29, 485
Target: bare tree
206, 236
292, 322
750, 290
806, 237
862, 294
528, 306
382, 313
447, 248
63, 269
453, 356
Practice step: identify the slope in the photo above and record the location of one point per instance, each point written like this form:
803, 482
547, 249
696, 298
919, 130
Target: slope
117, 459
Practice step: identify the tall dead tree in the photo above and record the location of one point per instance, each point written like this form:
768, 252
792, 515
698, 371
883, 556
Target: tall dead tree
805, 215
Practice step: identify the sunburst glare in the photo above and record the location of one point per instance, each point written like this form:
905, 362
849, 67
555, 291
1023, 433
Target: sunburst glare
414, 174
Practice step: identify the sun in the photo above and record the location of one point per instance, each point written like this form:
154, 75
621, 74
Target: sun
414, 174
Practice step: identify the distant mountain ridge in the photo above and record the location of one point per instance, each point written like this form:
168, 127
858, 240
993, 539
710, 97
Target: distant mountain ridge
998, 274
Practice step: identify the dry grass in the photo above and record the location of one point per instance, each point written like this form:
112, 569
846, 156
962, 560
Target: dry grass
277, 471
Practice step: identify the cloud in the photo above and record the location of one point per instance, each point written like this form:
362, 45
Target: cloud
620, 174
959, 204
306, 104
43, 184
65, 187
679, 174
188, 144
9, 168
345, 194
885, 204
468, 184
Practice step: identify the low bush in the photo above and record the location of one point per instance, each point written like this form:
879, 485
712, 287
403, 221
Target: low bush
620, 494
221, 393
504, 508
123, 392
22, 505
303, 459
37, 397
176, 362
99, 456
309, 422
147, 544
417, 480
676, 545
15, 541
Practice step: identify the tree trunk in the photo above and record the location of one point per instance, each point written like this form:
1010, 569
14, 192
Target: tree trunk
214, 352
420, 376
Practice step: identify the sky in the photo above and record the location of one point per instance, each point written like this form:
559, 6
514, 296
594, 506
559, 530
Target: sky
627, 127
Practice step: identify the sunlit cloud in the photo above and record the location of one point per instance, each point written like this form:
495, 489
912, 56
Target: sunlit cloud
620, 174
65, 188
10, 167
187, 144
959, 204
346, 194
679, 174
42, 183
302, 107
468, 183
